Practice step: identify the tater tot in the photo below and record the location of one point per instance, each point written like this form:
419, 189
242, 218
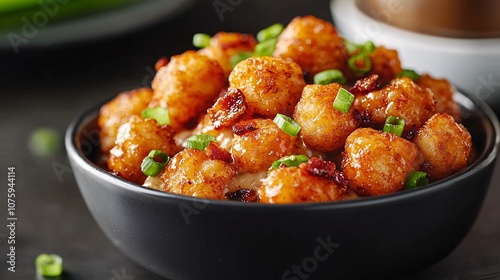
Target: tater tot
401, 98
445, 145
312, 43
224, 45
117, 112
258, 143
270, 85
377, 163
302, 184
323, 127
198, 173
385, 63
135, 139
187, 86
443, 93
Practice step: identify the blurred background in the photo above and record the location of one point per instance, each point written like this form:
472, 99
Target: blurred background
59, 58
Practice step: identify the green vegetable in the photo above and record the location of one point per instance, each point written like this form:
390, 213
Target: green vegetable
201, 40
49, 265
394, 125
44, 142
160, 114
416, 179
154, 163
200, 141
329, 76
287, 124
343, 100
409, 73
270, 32
293, 160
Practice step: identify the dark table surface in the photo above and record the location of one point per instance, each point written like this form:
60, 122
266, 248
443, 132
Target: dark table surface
48, 86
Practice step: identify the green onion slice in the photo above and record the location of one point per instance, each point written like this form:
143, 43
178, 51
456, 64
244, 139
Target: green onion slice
270, 32
265, 48
362, 57
394, 125
154, 163
343, 100
199, 142
44, 142
201, 40
368, 47
239, 57
416, 179
49, 265
287, 124
293, 160
409, 73
329, 76
160, 114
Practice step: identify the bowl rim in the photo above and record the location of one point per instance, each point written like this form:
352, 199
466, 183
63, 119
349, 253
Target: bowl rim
470, 102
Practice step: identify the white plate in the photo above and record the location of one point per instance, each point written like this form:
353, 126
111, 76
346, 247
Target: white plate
471, 64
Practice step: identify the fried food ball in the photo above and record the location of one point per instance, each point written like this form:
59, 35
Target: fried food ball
312, 43
198, 173
187, 86
401, 98
270, 85
306, 183
117, 112
445, 145
135, 139
224, 45
257, 143
385, 63
443, 93
323, 127
377, 163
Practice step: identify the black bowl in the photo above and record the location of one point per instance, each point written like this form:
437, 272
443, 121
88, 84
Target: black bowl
182, 237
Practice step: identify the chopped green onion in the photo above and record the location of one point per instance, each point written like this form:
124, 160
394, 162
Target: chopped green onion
49, 265
368, 47
200, 141
270, 32
409, 73
350, 46
265, 48
294, 160
287, 124
154, 163
329, 76
416, 179
44, 142
354, 61
160, 114
343, 100
394, 125
201, 40
239, 57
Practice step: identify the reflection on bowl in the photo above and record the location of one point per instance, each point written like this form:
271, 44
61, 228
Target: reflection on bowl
471, 64
182, 237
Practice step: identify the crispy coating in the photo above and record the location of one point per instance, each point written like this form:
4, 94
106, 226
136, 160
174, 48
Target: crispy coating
135, 139
401, 98
270, 85
443, 93
323, 127
197, 173
224, 45
377, 163
257, 143
187, 86
117, 112
445, 145
300, 184
312, 43
385, 63
206, 126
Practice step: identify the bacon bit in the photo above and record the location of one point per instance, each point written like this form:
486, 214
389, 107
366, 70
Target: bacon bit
243, 195
163, 61
365, 85
227, 108
215, 152
244, 127
326, 170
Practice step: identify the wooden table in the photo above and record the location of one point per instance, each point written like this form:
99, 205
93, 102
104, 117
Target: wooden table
50, 86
